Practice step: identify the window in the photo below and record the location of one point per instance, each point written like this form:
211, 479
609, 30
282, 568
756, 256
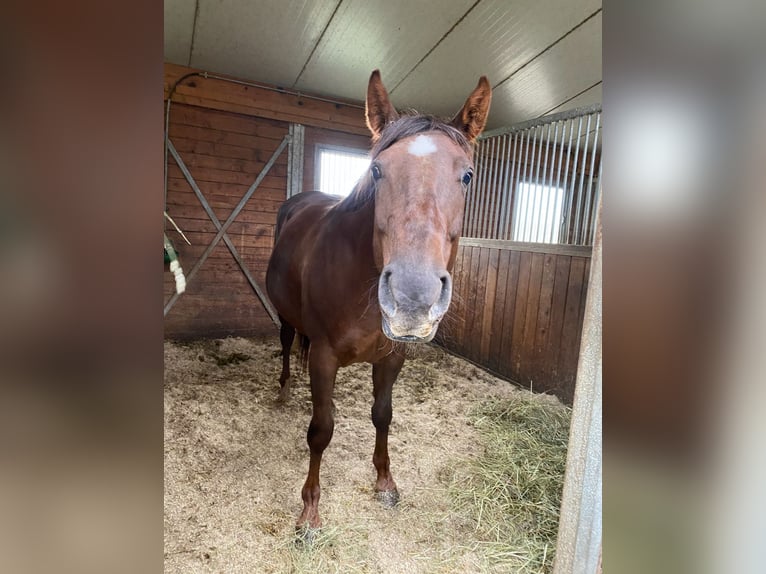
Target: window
537, 216
338, 169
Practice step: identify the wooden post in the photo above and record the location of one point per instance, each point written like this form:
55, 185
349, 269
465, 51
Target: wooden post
579, 540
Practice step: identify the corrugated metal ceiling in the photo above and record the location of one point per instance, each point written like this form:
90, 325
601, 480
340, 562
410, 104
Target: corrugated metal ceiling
541, 56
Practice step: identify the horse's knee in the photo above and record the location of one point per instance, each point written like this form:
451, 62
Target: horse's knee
381, 415
320, 433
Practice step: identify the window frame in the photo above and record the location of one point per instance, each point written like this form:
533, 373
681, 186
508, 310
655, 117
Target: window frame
320, 147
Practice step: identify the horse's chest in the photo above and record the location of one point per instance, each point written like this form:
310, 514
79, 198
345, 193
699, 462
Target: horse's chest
362, 347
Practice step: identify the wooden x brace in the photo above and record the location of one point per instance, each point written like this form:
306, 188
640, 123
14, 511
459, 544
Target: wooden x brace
222, 228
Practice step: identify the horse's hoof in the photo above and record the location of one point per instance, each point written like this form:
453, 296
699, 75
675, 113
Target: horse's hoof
388, 498
305, 535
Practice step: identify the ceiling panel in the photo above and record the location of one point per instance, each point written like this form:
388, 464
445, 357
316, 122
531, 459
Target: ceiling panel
588, 97
391, 36
540, 55
497, 38
179, 24
569, 67
262, 40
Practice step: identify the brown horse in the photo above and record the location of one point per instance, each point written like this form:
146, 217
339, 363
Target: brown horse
356, 275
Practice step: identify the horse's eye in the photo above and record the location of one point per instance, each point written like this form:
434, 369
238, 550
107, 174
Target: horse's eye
376, 173
467, 177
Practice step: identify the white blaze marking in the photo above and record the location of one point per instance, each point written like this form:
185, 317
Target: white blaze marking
422, 146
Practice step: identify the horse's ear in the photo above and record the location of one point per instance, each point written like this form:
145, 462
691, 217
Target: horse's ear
379, 110
472, 117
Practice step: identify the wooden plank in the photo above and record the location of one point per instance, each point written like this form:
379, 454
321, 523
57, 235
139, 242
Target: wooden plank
570, 334
192, 212
270, 98
222, 176
206, 226
270, 189
187, 197
528, 375
505, 358
489, 305
519, 316
181, 114
575, 250
473, 276
503, 279
229, 138
558, 307
285, 114
189, 145
462, 264
258, 99
539, 360
229, 164
476, 313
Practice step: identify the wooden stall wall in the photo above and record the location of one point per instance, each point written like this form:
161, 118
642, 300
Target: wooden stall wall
224, 153
225, 133
518, 312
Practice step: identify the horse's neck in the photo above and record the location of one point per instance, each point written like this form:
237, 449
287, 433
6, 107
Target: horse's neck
356, 230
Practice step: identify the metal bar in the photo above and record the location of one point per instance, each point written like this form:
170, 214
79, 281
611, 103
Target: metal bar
495, 191
548, 180
488, 188
475, 187
587, 212
528, 225
515, 190
580, 198
501, 181
545, 189
518, 231
482, 191
559, 197
580, 523
596, 201
502, 232
566, 115
533, 211
470, 199
572, 166
483, 188
222, 230
567, 200
498, 165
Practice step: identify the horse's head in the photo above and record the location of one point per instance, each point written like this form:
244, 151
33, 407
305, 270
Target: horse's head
421, 168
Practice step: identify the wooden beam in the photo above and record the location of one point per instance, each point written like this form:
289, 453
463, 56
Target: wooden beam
552, 248
267, 102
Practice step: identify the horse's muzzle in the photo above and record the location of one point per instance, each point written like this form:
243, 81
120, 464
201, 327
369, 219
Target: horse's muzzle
413, 302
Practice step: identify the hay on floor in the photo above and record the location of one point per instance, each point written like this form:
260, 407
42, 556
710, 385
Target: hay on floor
478, 462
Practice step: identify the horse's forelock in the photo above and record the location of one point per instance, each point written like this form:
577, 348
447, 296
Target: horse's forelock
409, 124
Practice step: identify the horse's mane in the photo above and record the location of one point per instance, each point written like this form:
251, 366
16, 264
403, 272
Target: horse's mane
408, 124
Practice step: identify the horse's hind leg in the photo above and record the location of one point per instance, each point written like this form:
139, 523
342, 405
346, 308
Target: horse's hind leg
384, 375
286, 338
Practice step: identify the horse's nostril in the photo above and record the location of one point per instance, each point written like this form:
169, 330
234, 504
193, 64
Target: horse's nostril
385, 295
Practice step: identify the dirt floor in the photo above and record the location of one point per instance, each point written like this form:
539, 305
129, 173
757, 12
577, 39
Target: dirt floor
235, 461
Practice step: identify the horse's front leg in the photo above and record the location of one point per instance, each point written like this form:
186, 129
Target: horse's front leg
384, 374
323, 367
